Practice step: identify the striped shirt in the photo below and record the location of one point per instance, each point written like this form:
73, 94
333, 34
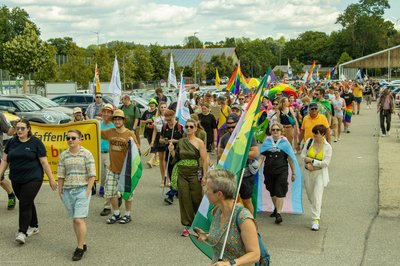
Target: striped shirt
76, 169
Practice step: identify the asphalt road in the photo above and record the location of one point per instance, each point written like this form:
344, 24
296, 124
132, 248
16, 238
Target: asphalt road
350, 206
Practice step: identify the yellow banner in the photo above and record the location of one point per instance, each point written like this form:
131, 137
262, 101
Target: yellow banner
54, 138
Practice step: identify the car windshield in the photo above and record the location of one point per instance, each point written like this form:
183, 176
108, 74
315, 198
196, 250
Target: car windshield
43, 101
26, 105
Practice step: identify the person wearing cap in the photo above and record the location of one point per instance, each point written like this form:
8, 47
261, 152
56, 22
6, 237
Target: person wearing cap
93, 110
77, 115
237, 110
246, 189
148, 121
209, 123
309, 121
105, 123
132, 113
118, 138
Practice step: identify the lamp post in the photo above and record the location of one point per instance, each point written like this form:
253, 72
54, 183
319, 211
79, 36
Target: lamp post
195, 57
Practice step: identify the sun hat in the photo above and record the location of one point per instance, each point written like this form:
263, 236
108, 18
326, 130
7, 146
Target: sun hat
119, 113
77, 110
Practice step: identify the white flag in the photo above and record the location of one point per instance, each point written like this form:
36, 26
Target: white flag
289, 69
115, 83
182, 108
171, 74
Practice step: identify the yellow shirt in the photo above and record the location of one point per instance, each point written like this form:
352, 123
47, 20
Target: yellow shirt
311, 153
309, 123
357, 91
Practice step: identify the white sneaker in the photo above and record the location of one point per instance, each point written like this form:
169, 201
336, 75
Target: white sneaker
383, 135
32, 231
315, 225
21, 237
388, 133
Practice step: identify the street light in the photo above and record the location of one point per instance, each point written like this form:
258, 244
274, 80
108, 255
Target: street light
195, 57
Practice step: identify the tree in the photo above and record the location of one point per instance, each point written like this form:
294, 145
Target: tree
192, 42
142, 61
61, 45
26, 54
124, 53
297, 66
159, 62
12, 23
224, 64
344, 57
47, 71
76, 69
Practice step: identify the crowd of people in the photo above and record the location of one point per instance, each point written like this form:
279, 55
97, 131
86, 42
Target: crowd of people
293, 127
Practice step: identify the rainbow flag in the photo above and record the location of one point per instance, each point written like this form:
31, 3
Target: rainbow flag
237, 81
234, 159
311, 71
328, 76
333, 70
96, 81
131, 171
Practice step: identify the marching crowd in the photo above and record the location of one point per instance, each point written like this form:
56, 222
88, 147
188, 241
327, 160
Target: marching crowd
292, 127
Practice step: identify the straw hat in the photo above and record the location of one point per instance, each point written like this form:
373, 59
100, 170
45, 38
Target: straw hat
119, 113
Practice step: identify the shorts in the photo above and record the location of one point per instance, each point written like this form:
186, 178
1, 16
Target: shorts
76, 202
358, 99
111, 186
277, 184
246, 189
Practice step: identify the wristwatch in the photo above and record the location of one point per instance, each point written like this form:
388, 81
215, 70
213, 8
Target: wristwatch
232, 262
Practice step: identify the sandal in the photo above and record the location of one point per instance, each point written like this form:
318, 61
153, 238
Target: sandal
126, 219
113, 219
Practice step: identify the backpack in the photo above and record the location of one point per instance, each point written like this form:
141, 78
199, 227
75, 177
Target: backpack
265, 258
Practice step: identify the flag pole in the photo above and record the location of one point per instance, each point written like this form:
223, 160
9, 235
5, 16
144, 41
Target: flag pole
169, 156
231, 217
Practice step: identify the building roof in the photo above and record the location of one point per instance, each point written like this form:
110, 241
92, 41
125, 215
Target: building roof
185, 57
379, 59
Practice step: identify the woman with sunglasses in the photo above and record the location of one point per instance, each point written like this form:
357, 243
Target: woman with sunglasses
186, 177
316, 153
278, 155
26, 156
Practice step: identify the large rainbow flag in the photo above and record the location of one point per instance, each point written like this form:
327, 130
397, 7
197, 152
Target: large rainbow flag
237, 81
234, 159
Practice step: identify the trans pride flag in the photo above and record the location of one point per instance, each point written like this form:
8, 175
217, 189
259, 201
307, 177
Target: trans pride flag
293, 200
236, 81
233, 159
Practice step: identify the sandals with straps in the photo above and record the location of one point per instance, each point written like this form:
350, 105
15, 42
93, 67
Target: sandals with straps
126, 219
113, 219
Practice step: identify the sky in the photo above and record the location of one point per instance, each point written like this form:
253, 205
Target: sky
169, 22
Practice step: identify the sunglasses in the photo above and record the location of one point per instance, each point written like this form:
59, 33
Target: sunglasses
275, 129
20, 128
98, 97
71, 138
275, 103
189, 127
241, 99
230, 127
314, 109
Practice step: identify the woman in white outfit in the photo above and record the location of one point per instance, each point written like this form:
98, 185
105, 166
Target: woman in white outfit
317, 153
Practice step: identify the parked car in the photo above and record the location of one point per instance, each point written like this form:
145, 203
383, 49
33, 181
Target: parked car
397, 99
224, 80
25, 108
395, 82
78, 100
10, 120
141, 103
44, 103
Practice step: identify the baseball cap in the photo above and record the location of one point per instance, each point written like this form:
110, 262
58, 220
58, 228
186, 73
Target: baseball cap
313, 105
233, 117
153, 101
77, 110
238, 107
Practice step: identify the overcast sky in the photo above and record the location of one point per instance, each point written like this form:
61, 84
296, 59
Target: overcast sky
169, 22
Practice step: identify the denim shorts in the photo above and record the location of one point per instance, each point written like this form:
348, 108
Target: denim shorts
76, 202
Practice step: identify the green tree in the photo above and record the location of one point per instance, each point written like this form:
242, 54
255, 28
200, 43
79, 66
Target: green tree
192, 42
223, 63
124, 53
47, 71
12, 23
142, 61
76, 68
297, 66
159, 63
344, 57
26, 54
61, 45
